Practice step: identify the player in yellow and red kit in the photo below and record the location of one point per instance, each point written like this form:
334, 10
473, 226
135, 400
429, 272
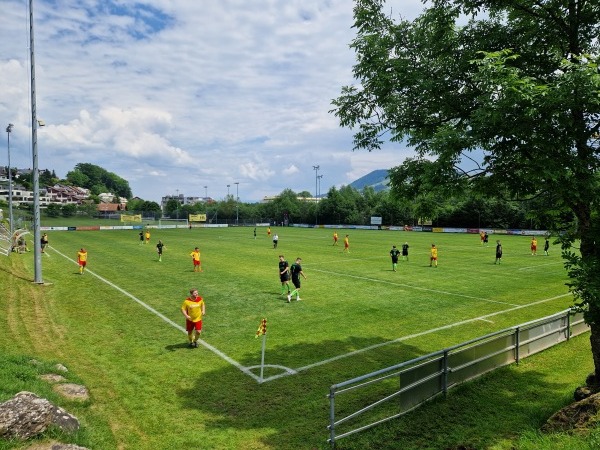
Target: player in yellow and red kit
193, 308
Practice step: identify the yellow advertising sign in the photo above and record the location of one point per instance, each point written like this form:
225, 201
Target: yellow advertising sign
197, 218
131, 218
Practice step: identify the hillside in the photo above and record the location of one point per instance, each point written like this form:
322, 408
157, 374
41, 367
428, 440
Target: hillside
377, 180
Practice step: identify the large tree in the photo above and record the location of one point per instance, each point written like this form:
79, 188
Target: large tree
512, 85
99, 180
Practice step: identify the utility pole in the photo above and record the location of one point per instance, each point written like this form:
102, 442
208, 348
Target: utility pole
237, 202
316, 169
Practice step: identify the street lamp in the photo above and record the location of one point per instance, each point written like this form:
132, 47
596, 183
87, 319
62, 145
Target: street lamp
10, 211
237, 202
316, 168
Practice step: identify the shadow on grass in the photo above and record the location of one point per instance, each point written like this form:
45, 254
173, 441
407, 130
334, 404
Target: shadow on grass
180, 346
295, 409
12, 274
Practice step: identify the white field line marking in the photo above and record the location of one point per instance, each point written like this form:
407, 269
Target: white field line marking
423, 333
435, 291
166, 319
540, 265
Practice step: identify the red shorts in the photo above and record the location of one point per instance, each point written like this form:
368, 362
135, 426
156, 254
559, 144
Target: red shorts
191, 326
534, 247
196, 263
82, 263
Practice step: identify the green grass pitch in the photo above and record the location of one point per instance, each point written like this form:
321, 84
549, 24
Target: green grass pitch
120, 329
350, 301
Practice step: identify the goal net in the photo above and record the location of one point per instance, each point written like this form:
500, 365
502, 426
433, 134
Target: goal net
173, 223
5, 240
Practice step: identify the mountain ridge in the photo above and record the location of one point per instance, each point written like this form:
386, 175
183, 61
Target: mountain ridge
377, 179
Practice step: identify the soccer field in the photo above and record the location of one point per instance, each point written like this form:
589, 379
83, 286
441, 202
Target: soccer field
119, 330
353, 307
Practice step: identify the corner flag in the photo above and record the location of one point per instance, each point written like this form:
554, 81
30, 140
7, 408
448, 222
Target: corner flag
262, 328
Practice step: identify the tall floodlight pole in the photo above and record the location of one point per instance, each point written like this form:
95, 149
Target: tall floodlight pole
228, 191
237, 202
319, 190
10, 210
205, 193
316, 168
34, 150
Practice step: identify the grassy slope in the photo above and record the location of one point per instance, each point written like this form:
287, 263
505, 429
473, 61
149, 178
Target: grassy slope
150, 391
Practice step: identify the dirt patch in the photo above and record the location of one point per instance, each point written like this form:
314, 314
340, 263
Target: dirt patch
72, 391
576, 417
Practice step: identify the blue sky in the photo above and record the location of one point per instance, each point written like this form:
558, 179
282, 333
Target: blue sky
175, 95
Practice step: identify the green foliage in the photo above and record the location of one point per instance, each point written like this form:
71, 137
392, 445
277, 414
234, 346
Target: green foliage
98, 180
68, 210
172, 208
517, 81
53, 210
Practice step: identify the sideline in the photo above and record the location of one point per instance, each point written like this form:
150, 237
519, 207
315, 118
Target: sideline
205, 344
423, 333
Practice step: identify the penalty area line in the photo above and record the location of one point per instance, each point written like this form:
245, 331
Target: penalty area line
205, 344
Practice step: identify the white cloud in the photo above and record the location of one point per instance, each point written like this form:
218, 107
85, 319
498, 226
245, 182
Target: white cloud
175, 90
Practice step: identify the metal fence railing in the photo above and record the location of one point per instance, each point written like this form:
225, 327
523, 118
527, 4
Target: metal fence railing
366, 401
5, 240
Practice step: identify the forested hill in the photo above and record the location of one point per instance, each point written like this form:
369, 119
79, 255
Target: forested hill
378, 180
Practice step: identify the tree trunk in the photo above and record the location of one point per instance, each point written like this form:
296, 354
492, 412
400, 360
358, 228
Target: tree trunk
595, 343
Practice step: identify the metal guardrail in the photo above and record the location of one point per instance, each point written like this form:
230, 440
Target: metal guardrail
394, 391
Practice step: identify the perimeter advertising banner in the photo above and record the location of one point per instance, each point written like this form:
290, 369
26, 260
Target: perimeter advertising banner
197, 218
131, 218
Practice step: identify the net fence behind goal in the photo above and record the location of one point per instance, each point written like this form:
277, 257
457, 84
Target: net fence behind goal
5, 240
173, 223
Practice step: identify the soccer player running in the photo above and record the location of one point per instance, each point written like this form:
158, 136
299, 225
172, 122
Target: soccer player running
159, 249
193, 308
82, 256
296, 271
196, 260
44, 242
347, 243
394, 253
147, 237
405, 251
335, 238
434, 256
284, 275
